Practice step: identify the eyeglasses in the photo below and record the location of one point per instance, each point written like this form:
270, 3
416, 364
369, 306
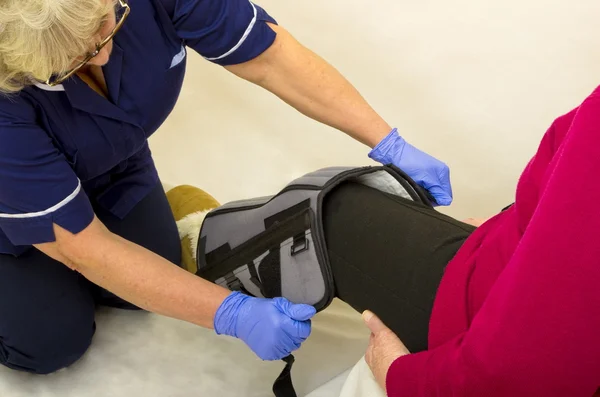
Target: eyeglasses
122, 11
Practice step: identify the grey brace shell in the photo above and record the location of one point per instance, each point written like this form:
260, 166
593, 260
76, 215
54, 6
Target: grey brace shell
274, 246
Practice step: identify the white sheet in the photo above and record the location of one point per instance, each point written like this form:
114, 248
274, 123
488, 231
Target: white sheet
332, 388
361, 382
355, 382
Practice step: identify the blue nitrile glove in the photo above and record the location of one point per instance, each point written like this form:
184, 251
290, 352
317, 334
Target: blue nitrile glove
272, 328
425, 170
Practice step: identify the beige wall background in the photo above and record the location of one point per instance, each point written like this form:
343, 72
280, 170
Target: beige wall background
475, 83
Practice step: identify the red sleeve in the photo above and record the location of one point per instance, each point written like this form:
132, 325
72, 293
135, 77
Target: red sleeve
537, 332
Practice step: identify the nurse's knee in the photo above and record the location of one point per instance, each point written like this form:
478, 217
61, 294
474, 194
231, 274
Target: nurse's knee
45, 344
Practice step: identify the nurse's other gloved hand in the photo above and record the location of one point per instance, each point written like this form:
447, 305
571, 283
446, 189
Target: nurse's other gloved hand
425, 170
272, 328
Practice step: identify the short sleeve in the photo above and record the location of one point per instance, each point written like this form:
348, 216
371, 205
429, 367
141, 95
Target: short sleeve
37, 185
225, 32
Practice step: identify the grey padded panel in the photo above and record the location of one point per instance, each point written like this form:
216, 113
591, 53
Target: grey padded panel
319, 178
238, 227
246, 203
301, 279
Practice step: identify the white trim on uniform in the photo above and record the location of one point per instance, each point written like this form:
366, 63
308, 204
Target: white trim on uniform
46, 87
177, 59
244, 37
50, 210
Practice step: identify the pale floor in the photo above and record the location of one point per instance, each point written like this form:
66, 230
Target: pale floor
476, 83
140, 354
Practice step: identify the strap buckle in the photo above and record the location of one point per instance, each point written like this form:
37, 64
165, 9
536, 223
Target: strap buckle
233, 283
300, 245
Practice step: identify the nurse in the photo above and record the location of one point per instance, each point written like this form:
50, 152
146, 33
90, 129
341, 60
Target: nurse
83, 218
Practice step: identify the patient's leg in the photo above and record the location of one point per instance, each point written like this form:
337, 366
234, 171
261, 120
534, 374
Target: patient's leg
388, 255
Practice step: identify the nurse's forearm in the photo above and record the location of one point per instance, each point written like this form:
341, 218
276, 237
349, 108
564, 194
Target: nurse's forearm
305, 81
137, 274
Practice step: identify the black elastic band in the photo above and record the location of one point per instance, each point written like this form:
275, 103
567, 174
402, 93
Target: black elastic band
254, 279
283, 386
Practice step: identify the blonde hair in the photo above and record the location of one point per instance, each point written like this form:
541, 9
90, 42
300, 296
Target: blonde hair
41, 38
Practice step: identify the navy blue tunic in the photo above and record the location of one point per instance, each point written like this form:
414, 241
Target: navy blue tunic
63, 147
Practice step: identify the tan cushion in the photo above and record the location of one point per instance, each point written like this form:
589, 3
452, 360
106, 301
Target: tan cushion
185, 200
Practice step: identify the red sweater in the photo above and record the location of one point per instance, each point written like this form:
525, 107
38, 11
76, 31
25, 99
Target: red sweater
518, 311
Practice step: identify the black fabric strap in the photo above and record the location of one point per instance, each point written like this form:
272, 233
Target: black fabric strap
270, 274
254, 279
287, 213
283, 386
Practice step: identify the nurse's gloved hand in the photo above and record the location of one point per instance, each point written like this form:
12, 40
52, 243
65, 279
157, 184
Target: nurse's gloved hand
272, 328
425, 170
